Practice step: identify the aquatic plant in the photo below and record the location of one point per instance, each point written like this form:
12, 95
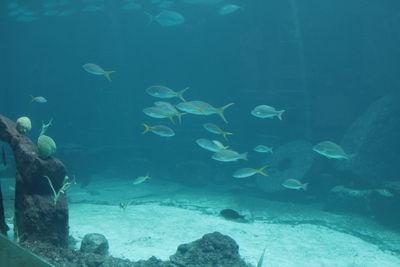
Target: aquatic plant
65, 186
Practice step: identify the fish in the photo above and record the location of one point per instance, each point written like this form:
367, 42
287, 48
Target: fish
247, 172
228, 156
261, 260
169, 109
167, 18
231, 214
384, 192
331, 150
228, 9
97, 70
161, 91
264, 111
38, 99
160, 130
263, 149
141, 179
213, 128
203, 108
213, 146
294, 184
158, 113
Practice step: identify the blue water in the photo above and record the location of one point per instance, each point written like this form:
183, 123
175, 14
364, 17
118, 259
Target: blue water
324, 62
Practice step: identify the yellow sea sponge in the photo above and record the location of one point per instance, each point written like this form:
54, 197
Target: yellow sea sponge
46, 146
24, 125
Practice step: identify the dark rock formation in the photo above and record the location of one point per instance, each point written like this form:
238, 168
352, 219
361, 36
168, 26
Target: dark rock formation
211, 250
94, 243
3, 225
289, 161
374, 140
37, 218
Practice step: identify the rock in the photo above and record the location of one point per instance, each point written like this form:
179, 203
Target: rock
3, 225
211, 250
36, 216
94, 243
290, 161
374, 140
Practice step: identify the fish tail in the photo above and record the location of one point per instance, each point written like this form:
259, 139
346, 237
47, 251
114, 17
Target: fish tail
180, 93
280, 114
244, 156
304, 186
179, 115
107, 74
32, 98
225, 134
147, 128
221, 111
260, 170
171, 118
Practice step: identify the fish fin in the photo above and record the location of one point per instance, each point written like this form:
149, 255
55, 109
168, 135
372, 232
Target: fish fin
261, 260
260, 170
147, 128
225, 134
304, 186
171, 118
179, 115
107, 74
221, 111
180, 93
280, 114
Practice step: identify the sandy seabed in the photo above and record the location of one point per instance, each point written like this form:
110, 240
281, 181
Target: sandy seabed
152, 228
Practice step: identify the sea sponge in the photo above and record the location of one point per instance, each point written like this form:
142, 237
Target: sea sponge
46, 146
24, 125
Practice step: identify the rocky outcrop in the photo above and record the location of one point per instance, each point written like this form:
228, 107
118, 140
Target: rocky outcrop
37, 217
373, 139
94, 243
290, 161
211, 250
3, 225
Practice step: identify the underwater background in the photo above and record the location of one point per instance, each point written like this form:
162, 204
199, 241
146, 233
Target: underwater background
331, 65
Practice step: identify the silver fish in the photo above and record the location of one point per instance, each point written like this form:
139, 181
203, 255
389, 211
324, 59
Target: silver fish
141, 179
213, 146
294, 184
331, 150
228, 9
168, 18
161, 91
160, 130
263, 149
97, 70
247, 172
213, 128
264, 111
228, 156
